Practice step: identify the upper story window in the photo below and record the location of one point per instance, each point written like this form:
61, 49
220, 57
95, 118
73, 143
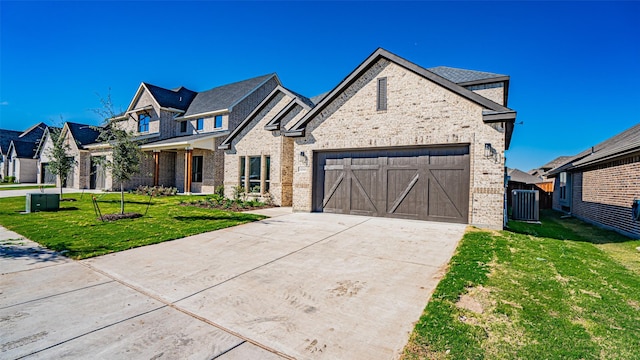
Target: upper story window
143, 123
564, 184
218, 123
200, 124
183, 126
382, 94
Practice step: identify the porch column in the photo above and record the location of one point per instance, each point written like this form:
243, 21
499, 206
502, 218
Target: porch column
188, 157
263, 173
156, 171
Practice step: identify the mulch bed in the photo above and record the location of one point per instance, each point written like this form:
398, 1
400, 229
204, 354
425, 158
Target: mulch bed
234, 207
114, 217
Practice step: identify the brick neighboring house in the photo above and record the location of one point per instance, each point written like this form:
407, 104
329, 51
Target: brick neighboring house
392, 139
599, 184
180, 130
85, 172
19, 160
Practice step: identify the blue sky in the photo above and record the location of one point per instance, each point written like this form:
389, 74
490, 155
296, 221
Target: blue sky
574, 66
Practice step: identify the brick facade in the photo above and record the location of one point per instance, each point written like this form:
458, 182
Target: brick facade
254, 140
419, 112
604, 194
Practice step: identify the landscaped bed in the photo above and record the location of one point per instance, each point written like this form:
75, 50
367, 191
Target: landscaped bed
560, 290
79, 233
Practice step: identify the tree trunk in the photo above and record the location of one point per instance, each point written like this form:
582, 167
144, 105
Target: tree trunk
121, 198
60, 187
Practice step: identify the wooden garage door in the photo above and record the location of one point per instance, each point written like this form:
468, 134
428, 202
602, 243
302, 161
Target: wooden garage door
419, 183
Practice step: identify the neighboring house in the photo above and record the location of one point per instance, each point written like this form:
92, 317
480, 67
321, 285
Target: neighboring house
258, 158
600, 184
520, 180
392, 139
180, 130
21, 152
6, 136
86, 173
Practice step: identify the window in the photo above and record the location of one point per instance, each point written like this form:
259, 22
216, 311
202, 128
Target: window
218, 123
183, 126
196, 169
564, 179
256, 167
143, 123
254, 174
382, 94
267, 172
200, 124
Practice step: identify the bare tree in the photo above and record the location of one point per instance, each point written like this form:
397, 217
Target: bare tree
125, 151
60, 163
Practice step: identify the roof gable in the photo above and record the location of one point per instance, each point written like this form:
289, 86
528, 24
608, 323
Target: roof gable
494, 112
179, 98
5, 139
226, 96
516, 175
83, 134
23, 149
226, 144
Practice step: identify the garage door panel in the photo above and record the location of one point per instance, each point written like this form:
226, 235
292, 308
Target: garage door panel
334, 191
364, 187
420, 183
402, 192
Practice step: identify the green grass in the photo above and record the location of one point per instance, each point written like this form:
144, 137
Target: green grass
76, 230
560, 290
25, 187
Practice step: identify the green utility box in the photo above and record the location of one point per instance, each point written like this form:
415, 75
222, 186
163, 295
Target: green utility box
42, 202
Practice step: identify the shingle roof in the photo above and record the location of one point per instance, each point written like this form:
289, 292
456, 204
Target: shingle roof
5, 139
316, 99
623, 143
179, 98
560, 160
25, 149
82, 133
522, 177
224, 97
459, 76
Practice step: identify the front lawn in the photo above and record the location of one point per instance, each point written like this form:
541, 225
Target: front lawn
560, 290
76, 230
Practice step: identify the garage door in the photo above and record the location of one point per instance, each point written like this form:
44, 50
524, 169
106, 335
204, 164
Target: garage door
46, 177
418, 183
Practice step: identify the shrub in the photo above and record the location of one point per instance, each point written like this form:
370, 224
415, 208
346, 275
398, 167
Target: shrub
156, 190
239, 193
219, 190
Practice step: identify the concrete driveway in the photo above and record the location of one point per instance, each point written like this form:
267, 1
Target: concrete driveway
305, 286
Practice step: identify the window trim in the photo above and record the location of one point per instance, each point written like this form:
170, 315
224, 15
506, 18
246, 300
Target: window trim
261, 177
200, 124
183, 124
215, 122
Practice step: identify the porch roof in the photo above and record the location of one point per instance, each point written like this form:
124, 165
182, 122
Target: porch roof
198, 141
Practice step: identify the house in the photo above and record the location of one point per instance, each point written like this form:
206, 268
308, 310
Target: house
392, 139
86, 173
600, 184
6, 136
258, 158
180, 130
19, 160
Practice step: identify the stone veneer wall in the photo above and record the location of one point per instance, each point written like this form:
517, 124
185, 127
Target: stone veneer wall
419, 112
604, 194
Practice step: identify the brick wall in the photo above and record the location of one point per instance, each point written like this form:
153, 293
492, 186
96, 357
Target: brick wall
604, 194
419, 112
254, 140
